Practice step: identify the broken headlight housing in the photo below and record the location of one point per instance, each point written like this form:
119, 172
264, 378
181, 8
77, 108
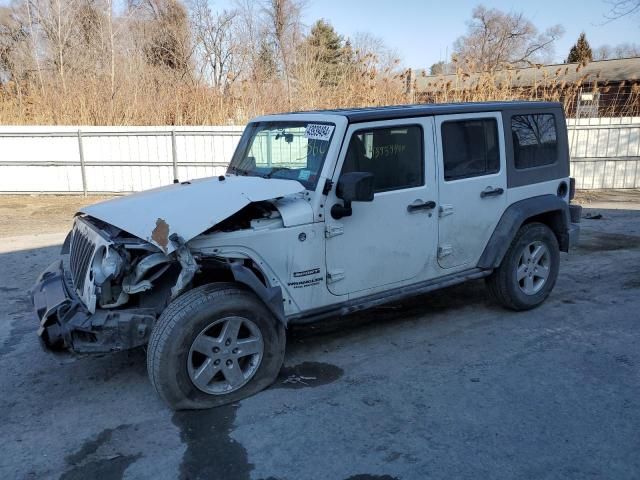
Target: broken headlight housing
107, 264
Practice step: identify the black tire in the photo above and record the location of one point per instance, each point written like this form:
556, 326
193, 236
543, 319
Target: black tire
503, 284
180, 324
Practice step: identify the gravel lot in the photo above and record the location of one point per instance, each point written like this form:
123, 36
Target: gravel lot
446, 385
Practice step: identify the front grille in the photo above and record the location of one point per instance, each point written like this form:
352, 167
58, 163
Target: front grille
80, 256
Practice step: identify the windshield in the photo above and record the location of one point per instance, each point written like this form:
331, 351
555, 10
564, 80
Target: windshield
290, 150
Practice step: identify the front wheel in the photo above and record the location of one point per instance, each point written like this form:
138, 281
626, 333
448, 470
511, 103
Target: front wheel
214, 345
529, 269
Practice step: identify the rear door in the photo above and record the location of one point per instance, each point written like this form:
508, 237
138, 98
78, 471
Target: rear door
472, 182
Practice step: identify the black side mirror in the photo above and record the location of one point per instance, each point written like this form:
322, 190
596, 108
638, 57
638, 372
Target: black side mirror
352, 187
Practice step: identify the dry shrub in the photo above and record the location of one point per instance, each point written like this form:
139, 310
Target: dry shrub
168, 62
152, 95
155, 96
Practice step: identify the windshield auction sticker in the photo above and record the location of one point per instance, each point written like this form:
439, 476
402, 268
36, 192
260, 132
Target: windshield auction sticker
316, 131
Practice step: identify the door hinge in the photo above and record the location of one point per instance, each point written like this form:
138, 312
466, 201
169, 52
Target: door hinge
334, 275
333, 230
445, 210
444, 250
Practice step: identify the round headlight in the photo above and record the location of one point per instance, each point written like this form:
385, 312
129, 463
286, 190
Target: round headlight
107, 263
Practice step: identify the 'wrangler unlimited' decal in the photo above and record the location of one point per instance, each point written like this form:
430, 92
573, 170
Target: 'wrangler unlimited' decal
307, 282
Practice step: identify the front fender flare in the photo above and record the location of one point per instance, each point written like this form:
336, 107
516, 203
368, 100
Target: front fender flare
271, 296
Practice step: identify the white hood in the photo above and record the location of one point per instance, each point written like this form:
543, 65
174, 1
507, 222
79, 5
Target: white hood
187, 208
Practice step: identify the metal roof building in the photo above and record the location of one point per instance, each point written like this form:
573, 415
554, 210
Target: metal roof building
599, 88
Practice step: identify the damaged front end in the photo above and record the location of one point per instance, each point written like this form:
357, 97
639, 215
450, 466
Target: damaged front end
108, 290
128, 257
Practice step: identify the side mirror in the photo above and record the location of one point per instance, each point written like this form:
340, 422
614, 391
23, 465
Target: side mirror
352, 187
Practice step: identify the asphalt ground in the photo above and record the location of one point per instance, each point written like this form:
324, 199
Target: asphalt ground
446, 385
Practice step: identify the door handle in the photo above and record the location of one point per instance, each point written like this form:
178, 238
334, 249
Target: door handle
420, 205
491, 192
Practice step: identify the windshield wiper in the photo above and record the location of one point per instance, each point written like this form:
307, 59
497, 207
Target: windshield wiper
275, 170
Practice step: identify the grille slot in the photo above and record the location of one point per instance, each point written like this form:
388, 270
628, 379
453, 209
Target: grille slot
79, 258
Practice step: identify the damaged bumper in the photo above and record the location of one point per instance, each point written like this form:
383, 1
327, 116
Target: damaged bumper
65, 323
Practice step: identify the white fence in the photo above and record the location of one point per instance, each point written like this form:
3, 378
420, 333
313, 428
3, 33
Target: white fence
110, 159
605, 153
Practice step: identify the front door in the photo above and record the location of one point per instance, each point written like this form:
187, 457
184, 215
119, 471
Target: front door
472, 182
393, 238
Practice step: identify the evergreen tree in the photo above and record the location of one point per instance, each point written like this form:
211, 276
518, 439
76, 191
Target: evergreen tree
266, 67
581, 51
348, 54
328, 50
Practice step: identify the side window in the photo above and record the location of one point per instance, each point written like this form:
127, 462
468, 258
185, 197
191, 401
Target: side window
470, 148
534, 140
394, 156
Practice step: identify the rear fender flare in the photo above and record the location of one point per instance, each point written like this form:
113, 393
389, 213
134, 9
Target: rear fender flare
514, 217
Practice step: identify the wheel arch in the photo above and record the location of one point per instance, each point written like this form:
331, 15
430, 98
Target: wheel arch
547, 209
248, 274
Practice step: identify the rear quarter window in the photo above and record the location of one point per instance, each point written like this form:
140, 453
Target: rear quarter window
535, 140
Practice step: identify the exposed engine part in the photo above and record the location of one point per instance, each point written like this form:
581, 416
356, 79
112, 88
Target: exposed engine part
247, 216
112, 295
136, 282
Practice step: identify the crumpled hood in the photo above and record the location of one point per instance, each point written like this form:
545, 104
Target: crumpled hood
187, 208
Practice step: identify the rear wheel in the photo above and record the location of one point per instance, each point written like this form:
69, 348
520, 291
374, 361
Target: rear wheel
529, 269
214, 345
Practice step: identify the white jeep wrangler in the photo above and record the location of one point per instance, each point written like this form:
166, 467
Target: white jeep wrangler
320, 214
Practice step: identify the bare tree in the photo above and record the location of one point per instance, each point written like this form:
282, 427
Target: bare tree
34, 50
625, 50
251, 34
283, 19
622, 8
622, 50
100, 31
603, 52
112, 50
12, 34
372, 53
496, 39
15, 67
165, 31
58, 21
215, 35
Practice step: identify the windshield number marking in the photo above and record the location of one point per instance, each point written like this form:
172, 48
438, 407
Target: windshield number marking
315, 131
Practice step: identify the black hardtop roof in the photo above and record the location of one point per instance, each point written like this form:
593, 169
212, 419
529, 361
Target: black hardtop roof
370, 114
